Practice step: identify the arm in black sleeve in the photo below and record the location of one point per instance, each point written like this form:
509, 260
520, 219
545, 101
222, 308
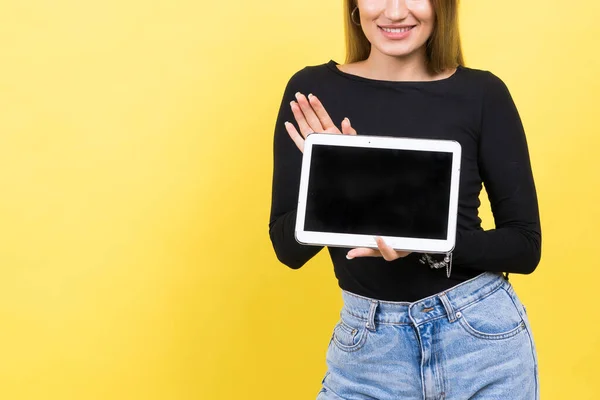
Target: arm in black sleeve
505, 168
286, 181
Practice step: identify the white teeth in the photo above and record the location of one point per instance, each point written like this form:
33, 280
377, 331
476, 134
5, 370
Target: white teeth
397, 30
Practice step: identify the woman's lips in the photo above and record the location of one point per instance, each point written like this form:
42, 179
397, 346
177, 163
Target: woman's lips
396, 33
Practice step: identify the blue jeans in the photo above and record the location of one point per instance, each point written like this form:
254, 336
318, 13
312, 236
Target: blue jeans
472, 341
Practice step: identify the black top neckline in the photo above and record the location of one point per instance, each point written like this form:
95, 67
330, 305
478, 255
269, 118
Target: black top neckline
332, 65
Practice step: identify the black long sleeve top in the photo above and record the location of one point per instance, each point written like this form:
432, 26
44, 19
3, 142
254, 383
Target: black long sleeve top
473, 107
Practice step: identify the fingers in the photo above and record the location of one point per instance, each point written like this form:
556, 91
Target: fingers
305, 128
312, 117
363, 252
347, 128
309, 114
383, 250
296, 137
322, 114
386, 251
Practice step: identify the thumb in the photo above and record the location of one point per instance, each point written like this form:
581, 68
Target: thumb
347, 128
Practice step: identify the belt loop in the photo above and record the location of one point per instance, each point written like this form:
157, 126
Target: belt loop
448, 307
371, 317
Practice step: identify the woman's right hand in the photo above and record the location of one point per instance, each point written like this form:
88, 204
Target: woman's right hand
312, 117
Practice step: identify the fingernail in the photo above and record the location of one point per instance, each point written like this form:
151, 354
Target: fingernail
292, 103
349, 257
310, 95
347, 120
297, 95
286, 123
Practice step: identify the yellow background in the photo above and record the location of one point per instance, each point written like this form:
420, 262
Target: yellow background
135, 173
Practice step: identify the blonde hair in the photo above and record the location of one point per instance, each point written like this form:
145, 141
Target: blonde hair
443, 51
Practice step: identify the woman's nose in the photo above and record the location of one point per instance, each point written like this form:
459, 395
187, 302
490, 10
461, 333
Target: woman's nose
396, 10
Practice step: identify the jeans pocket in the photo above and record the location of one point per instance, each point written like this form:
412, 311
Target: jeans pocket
349, 335
494, 317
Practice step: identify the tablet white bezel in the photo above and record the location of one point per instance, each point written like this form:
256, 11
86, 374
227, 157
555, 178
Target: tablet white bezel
384, 142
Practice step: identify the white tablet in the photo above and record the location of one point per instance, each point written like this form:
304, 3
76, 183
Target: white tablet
354, 188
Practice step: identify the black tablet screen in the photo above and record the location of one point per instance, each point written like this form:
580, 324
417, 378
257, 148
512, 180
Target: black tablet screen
379, 192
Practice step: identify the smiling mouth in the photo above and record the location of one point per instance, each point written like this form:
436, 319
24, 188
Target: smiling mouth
396, 30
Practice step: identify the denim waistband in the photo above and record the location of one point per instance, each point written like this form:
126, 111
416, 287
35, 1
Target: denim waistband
444, 304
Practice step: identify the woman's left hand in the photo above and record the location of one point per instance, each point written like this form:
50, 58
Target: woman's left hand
383, 250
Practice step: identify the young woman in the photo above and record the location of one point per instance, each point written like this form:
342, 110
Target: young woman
407, 329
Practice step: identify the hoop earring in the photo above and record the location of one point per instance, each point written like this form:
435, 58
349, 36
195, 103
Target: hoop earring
353, 18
